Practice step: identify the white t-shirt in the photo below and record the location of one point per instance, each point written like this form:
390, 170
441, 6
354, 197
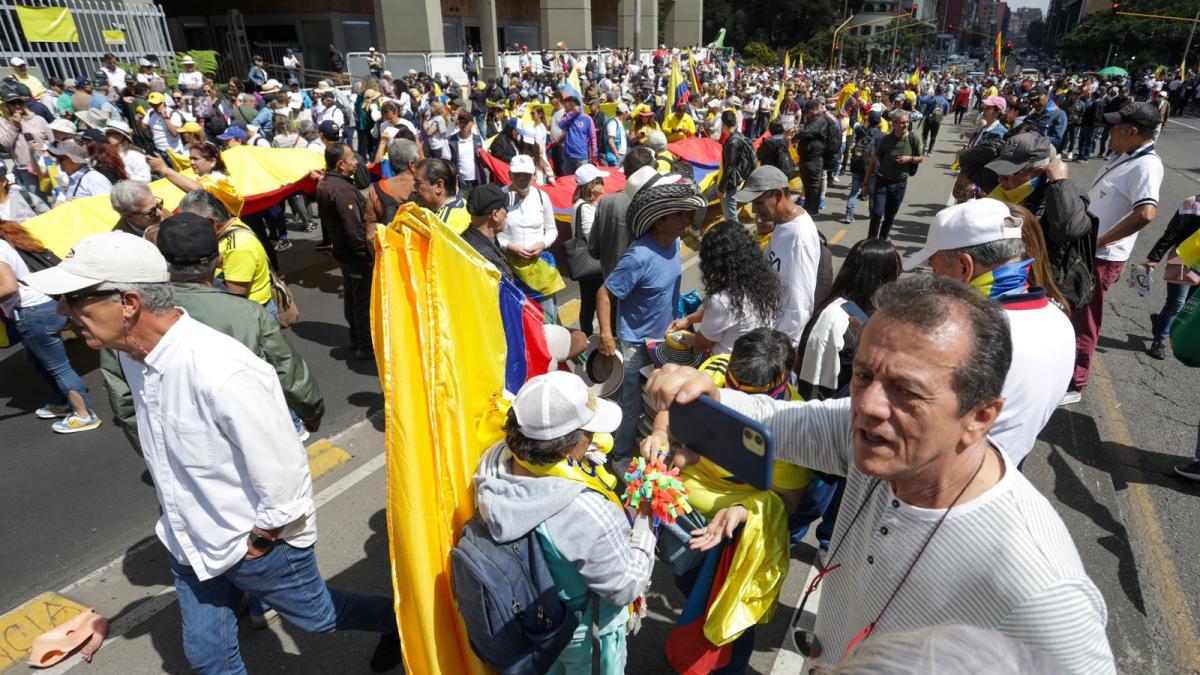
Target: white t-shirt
794, 253
191, 81
333, 114
163, 138
437, 137
721, 325
1124, 184
25, 296
466, 156
116, 78
135, 165
586, 213
1043, 360
821, 364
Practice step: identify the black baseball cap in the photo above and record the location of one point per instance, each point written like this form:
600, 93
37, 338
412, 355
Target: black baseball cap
1142, 115
486, 199
1022, 151
330, 129
187, 238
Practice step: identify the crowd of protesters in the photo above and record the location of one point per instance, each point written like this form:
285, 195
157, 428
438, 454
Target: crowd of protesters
898, 396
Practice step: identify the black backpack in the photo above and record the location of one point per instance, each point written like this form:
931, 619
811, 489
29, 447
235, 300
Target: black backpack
40, 260
863, 148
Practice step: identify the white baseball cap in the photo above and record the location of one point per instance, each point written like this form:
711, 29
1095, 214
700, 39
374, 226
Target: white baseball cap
553, 405
109, 256
587, 173
521, 164
16, 61
976, 221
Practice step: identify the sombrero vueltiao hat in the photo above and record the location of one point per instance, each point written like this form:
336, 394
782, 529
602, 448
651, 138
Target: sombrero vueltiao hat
602, 374
674, 349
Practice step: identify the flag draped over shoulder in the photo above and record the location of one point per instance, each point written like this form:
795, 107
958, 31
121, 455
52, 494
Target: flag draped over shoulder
450, 337
259, 177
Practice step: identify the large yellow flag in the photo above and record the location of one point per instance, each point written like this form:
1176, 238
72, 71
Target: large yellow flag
440, 344
915, 78
47, 24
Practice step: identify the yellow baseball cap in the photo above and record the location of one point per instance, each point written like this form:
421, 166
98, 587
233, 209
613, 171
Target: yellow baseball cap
155, 98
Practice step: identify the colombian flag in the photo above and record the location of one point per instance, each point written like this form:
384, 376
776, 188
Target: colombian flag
678, 92
450, 337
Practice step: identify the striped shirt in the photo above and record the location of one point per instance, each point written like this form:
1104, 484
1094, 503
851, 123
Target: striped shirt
1003, 560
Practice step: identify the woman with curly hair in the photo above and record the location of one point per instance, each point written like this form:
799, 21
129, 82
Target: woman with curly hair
39, 324
742, 293
107, 161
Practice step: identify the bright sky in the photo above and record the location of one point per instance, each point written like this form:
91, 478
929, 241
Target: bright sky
1041, 4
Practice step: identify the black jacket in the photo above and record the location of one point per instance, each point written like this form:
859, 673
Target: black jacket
737, 162
812, 137
342, 208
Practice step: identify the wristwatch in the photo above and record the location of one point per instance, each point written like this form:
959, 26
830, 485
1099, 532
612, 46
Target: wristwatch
260, 542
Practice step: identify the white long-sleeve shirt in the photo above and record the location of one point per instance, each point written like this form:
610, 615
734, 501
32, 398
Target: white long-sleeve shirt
1003, 560
135, 165
530, 222
220, 445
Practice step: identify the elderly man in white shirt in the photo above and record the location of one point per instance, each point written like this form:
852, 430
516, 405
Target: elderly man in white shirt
531, 228
936, 526
231, 475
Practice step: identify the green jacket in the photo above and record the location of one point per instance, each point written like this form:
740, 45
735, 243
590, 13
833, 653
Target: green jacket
245, 321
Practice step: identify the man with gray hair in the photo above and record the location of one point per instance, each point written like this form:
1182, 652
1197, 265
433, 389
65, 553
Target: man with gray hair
231, 475
139, 209
896, 158
937, 526
386, 196
979, 242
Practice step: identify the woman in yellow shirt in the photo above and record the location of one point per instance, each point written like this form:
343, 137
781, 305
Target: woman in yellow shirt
679, 125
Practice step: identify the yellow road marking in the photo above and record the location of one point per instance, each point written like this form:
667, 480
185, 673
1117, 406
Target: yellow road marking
568, 313
837, 237
19, 627
1181, 625
323, 456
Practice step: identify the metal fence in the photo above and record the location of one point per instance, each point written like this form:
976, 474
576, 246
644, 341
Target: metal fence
449, 63
144, 27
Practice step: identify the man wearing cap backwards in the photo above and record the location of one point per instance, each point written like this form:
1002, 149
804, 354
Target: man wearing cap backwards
979, 242
230, 472
340, 206
579, 137
1124, 197
1026, 170
646, 282
82, 179
189, 244
488, 206
543, 476
794, 251
934, 517
21, 72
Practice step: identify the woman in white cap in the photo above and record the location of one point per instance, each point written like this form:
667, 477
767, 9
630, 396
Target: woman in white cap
545, 478
589, 189
121, 137
530, 231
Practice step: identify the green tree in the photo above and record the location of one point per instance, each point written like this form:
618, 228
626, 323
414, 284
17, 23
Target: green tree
1134, 41
758, 54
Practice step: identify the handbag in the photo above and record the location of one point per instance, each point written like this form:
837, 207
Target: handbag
1176, 272
673, 540
289, 313
8, 331
580, 263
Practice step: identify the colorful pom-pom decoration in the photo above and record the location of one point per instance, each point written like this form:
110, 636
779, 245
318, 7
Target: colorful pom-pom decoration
653, 483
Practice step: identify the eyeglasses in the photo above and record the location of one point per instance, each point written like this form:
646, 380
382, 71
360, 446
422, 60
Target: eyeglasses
74, 298
158, 207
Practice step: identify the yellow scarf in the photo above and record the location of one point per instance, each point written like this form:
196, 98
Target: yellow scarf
1016, 195
583, 471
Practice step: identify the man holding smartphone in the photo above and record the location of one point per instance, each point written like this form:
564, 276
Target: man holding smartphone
913, 443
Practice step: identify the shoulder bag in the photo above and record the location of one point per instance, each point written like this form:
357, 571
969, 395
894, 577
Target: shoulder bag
580, 263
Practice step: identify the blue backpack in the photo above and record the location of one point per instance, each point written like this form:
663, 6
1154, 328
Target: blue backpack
509, 602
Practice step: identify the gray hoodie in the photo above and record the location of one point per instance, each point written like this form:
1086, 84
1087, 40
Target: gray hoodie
614, 559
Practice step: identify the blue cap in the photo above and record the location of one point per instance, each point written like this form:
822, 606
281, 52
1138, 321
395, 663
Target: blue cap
82, 82
234, 132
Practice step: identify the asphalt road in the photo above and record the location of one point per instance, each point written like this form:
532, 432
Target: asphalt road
73, 503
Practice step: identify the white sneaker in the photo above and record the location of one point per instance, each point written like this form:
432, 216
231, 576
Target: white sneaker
1071, 397
74, 423
303, 433
52, 412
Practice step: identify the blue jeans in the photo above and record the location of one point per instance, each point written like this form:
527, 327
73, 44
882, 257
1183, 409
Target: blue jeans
817, 496
1087, 141
856, 185
630, 398
886, 198
288, 580
1177, 296
39, 326
729, 208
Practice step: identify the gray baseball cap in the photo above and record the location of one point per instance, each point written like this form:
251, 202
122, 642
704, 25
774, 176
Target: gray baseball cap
1022, 151
763, 179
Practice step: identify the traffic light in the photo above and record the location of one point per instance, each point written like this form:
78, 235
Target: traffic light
950, 26
914, 9
897, 51
1008, 46
1116, 7
837, 48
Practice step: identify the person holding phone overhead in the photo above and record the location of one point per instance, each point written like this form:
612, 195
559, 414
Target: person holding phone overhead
929, 497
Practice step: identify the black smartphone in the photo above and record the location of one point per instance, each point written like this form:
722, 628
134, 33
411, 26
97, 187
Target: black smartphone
736, 443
